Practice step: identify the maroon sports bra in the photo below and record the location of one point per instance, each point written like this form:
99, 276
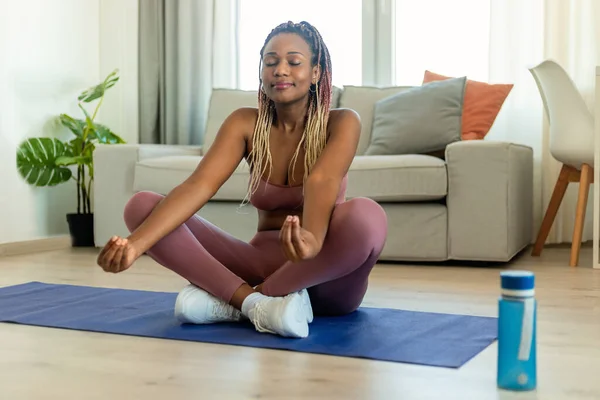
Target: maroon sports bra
269, 196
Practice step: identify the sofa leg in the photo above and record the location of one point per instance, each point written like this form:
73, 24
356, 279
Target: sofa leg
586, 178
566, 175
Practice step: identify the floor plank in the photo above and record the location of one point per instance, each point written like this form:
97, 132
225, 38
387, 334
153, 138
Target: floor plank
41, 363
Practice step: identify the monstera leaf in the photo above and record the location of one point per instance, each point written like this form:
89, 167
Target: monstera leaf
37, 161
97, 91
105, 136
75, 125
98, 132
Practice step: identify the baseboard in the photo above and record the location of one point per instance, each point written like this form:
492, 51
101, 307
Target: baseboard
35, 245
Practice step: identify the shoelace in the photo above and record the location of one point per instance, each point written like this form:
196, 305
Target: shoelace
222, 309
260, 318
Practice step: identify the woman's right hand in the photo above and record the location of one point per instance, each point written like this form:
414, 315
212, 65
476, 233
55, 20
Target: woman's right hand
118, 255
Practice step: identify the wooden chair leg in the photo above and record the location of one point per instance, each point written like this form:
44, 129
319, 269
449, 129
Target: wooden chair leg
586, 177
557, 196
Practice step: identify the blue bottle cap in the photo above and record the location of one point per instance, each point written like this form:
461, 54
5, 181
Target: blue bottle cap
517, 280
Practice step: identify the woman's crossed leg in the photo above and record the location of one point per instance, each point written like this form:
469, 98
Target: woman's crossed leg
221, 264
219, 268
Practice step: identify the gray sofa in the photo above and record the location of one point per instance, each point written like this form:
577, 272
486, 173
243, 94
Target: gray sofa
474, 204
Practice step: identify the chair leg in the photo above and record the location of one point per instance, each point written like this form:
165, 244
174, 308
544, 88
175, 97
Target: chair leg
587, 175
557, 196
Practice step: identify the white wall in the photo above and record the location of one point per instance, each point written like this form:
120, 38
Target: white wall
49, 52
119, 49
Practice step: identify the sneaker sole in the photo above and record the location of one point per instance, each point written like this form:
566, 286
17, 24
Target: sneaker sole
307, 305
180, 304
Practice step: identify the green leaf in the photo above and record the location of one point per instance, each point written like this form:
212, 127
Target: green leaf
105, 136
89, 155
75, 125
66, 160
36, 162
89, 123
97, 91
89, 149
76, 146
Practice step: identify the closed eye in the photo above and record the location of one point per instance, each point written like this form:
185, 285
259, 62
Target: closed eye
274, 63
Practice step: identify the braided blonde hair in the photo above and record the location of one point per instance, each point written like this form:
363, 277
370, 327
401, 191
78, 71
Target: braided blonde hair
315, 132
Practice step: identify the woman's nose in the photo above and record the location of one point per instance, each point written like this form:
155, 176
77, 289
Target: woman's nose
282, 69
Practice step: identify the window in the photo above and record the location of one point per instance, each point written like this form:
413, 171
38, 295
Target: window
338, 21
402, 38
446, 37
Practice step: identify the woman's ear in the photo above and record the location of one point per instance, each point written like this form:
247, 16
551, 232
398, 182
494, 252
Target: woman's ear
316, 74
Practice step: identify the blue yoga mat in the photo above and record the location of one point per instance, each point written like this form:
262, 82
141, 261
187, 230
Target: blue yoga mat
433, 339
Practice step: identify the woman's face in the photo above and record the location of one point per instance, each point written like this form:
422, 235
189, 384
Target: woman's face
287, 72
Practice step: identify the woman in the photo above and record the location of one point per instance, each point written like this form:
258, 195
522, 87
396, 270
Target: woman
313, 251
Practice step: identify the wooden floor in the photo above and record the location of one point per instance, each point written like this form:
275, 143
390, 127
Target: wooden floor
40, 363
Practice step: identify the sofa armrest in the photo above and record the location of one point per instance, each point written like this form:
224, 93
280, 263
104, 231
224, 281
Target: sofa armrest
114, 169
490, 199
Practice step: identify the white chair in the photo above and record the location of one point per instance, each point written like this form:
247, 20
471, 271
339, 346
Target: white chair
571, 143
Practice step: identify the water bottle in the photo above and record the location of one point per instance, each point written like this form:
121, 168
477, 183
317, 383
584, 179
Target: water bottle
517, 309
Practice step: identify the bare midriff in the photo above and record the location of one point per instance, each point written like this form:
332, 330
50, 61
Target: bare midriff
273, 220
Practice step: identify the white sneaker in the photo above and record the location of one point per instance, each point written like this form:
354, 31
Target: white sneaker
196, 306
307, 305
285, 316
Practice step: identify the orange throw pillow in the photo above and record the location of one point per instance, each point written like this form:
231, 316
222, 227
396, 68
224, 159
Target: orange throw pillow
482, 104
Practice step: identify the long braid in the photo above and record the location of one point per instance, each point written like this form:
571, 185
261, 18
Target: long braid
314, 136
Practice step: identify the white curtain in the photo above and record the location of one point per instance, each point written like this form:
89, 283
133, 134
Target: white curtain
187, 47
522, 34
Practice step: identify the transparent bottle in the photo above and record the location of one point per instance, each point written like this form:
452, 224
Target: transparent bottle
517, 314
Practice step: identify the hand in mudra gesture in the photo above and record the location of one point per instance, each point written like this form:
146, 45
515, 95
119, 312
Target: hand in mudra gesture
117, 255
298, 243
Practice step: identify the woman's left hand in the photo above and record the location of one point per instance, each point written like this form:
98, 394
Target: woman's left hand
298, 243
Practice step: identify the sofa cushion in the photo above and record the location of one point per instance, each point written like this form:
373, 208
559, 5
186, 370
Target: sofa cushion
420, 120
362, 99
395, 178
222, 103
482, 104
398, 178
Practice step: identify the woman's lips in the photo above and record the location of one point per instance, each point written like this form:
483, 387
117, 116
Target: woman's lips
282, 85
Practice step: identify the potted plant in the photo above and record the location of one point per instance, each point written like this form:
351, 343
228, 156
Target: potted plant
45, 161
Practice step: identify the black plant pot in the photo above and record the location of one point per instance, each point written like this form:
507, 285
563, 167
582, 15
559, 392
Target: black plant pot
81, 228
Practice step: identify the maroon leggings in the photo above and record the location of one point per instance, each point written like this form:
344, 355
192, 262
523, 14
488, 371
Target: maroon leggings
208, 257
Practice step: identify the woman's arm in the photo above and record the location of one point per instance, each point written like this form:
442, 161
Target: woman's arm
216, 166
323, 183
